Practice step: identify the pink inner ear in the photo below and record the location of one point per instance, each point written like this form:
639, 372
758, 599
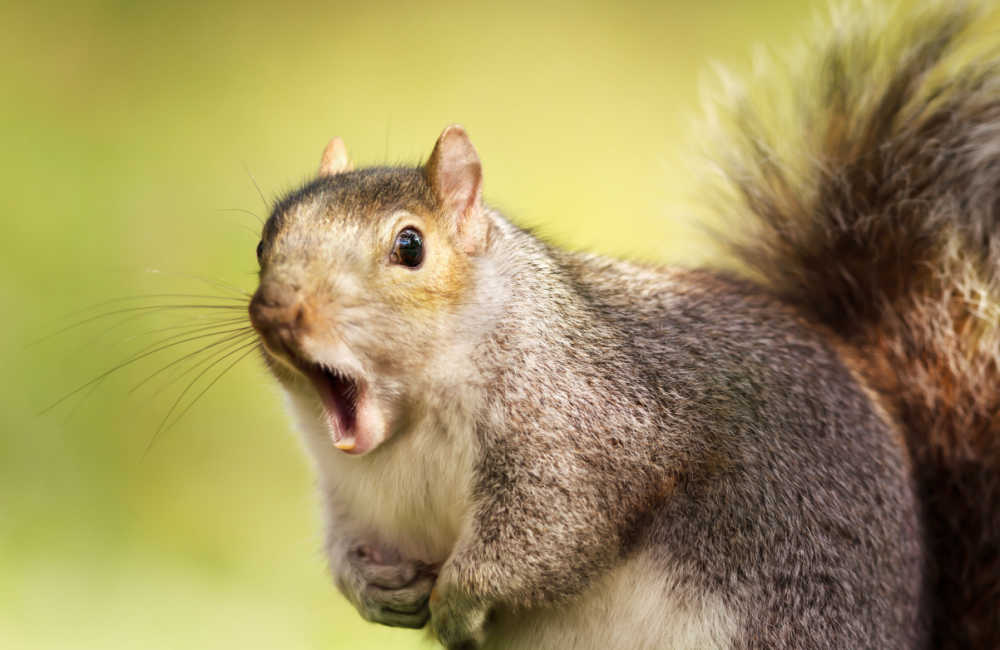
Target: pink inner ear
460, 187
454, 171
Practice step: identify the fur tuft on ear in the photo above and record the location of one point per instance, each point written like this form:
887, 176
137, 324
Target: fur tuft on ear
456, 176
335, 159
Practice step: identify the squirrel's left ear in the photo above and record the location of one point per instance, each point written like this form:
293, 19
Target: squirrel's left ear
456, 176
335, 159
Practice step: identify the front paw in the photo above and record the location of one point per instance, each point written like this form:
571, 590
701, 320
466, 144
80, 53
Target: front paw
459, 622
385, 588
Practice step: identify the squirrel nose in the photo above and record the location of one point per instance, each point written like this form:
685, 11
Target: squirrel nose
279, 314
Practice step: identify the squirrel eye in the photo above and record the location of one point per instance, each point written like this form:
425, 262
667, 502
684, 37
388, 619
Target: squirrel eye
260, 251
409, 248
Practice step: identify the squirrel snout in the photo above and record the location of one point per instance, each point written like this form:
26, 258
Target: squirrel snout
280, 315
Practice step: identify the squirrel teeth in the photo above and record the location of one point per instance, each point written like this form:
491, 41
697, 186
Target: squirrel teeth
340, 396
345, 444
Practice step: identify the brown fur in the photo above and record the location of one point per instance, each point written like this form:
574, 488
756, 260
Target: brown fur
886, 230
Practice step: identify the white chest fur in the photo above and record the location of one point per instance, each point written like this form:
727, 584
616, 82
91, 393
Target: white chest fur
412, 493
638, 605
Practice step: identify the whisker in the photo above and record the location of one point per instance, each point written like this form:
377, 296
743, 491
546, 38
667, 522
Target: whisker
119, 366
207, 329
245, 211
110, 328
196, 323
253, 233
249, 347
150, 296
238, 337
218, 284
214, 354
187, 337
83, 400
199, 325
129, 310
253, 180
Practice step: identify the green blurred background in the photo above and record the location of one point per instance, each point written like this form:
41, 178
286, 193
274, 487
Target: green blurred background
130, 135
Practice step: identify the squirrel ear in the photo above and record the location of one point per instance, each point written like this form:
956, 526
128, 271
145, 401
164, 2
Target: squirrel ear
335, 159
456, 176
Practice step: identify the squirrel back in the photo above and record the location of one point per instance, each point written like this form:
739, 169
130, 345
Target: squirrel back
881, 224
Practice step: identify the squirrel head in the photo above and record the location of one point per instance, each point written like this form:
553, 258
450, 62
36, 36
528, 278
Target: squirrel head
361, 276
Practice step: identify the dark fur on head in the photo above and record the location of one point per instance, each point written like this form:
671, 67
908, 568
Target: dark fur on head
885, 228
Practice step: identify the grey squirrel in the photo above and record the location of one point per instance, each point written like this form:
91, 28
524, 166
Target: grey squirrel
532, 448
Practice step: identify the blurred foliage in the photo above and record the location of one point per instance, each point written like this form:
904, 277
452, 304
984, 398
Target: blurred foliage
133, 134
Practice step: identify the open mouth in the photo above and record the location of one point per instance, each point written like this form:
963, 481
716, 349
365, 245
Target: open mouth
353, 416
340, 396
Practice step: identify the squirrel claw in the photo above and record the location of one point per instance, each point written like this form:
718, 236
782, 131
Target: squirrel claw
457, 622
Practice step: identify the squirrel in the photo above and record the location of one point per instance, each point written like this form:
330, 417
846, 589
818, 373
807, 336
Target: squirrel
531, 448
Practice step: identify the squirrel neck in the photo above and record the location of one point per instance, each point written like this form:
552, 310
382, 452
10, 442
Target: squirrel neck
559, 325
535, 302
531, 296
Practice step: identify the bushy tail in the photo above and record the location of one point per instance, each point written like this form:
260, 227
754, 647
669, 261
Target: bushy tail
874, 207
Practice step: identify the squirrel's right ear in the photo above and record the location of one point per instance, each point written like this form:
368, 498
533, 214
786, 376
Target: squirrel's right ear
335, 159
456, 176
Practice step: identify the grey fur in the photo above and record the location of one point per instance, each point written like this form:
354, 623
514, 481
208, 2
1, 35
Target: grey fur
713, 425
623, 410
590, 415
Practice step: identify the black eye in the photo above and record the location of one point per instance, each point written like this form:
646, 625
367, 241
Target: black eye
409, 248
260, 251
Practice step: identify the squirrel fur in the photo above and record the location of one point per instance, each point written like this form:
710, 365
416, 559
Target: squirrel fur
532, 448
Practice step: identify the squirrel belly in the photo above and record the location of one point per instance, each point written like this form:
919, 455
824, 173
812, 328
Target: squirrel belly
639, 605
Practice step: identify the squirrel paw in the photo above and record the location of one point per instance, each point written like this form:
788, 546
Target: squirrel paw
458, 622
385, 588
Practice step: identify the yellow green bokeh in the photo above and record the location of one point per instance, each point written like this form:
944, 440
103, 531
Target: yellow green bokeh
131, 133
